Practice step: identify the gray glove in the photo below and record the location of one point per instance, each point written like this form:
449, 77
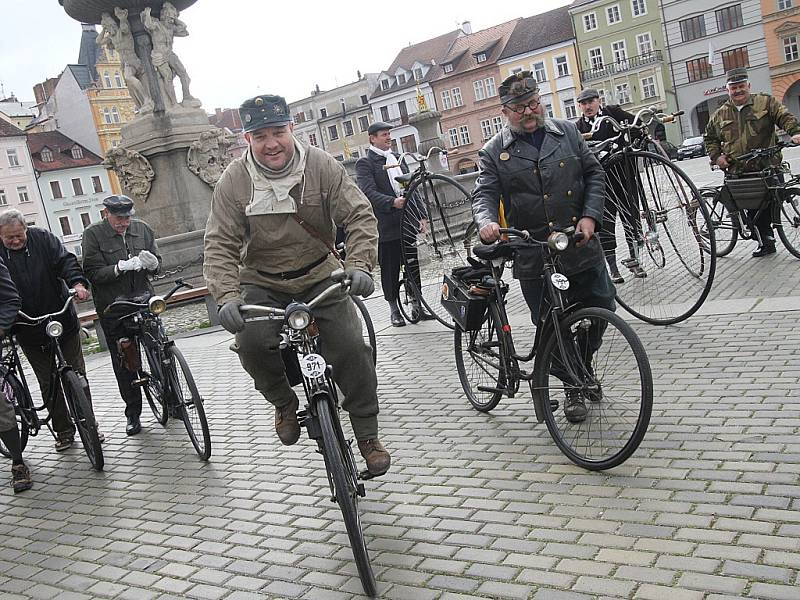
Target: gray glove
132, 264
361, 283
148, 260
230, 317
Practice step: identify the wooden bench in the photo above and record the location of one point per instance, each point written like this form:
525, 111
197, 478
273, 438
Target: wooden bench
90, 317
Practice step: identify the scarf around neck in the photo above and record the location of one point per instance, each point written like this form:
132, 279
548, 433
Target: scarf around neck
271, 188
391, 159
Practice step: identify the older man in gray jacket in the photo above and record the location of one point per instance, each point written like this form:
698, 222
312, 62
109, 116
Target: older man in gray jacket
548, 180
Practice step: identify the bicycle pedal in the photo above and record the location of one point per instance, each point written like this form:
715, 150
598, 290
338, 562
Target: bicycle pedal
142, 381
484, 388
365, 475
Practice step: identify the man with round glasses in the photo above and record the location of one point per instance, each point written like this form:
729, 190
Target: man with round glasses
548, 180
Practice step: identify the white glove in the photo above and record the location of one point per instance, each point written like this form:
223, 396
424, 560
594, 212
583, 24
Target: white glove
132, 264
149, 260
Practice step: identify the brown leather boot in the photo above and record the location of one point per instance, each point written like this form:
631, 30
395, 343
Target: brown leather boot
286, 425
376, 456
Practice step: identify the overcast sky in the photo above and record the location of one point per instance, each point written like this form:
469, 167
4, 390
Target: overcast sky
239, 48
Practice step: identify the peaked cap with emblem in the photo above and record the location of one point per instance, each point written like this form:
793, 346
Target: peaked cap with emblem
736, 75
264, 110
519, 86
119, 205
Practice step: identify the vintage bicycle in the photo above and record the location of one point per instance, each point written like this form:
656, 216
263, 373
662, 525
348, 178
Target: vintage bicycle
64, 380
320, 417
585, 354
164, 375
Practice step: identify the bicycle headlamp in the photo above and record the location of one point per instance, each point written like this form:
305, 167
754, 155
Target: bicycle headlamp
157, 305
299, 318
54, 329
558, 241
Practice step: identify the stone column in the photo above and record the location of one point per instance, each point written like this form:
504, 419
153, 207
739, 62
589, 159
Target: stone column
427, 124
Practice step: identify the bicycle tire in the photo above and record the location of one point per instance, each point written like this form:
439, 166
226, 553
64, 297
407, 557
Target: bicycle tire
481, 357
154, 388
405, 297
189, 403
446, 205
344, 476
368, 329
629, 403
725, 231
677, 253
787, 224
15, 394
83, 417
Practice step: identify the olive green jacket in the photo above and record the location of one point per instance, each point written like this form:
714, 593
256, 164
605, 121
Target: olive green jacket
103, 248
250, 249
733, 132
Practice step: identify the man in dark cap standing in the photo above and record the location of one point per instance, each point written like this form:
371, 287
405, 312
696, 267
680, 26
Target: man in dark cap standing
268, 241
384, 192
743, 123
549, 181
119, 255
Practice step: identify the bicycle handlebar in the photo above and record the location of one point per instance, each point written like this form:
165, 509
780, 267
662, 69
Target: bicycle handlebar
551, 240
642, 119
418, 157
341, 281
137, 306
40, 319
763, 152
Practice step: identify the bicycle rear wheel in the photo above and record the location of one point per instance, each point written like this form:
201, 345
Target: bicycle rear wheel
154, 388
368, 328
481, 358
83, 417
346, 489
406, 296
17, 396
788, 224
613, 381
725, 231
434, 220
667, 231
189, 403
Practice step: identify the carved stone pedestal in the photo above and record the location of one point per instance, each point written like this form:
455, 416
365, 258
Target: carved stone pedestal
427, 124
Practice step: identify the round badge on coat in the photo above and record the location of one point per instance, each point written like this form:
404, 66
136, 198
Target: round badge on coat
504, 156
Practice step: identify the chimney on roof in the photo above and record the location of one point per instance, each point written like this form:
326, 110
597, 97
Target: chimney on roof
359, 74
466, 27
218, 111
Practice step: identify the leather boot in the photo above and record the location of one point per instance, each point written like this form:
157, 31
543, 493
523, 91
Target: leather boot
613, 269
286, 424
375, 455
395, 315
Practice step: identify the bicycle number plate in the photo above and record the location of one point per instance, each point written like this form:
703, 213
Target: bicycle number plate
560, 281
312, 365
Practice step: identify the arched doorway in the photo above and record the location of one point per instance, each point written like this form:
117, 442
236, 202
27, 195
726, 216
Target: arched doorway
791, 99
701, 114
466, 166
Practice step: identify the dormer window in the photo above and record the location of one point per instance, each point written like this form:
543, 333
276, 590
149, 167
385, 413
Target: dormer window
77, 152
418, 74
401, 79
480, 57
384, 84
47, 155
448, 68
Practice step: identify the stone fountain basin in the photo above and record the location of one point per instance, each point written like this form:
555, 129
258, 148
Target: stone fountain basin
89, 11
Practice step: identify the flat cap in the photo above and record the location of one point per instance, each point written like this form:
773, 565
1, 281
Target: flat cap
588, 94
378, 126
262, 111
519, 86
736, 75
119, 205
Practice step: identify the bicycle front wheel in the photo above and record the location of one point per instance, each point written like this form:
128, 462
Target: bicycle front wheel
604, 367
189, 403
725, 231
434, 220
17, 396
668, 234
154, 388
788, 225
367, 327
406, 300
346, 489
481, 362
83, 415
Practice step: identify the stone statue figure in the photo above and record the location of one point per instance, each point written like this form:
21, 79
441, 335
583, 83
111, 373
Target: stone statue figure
134, 171
210, 154
119, 38
166, 62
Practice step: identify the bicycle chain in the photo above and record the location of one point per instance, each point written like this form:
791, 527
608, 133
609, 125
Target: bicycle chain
179, 268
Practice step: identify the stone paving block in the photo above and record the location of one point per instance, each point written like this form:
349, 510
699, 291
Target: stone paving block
774, 592
648, 591
505, 590
712, 583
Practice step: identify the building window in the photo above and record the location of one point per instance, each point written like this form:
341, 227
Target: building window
66, 228
453, 134
118, 79
114, 114
649, 89
55, 188
384, 113
698, 69
107, 116
463, 131
693, 28
548, 109
3, 198
333, 133
13, 159
312, 139
480, 57
97, 185
619, 51
22, 194
364, 100
733, 59
589, 22
480, 90
613, 14
323, 113
384, 84
347, 127
457, 97
363, 123
343, 105
408, 143
106, 80
570, 111
497, 123
491, 90
539, 72
77, 152
623, 93
790, 50
638, 8
602, 96
77, 186
446, 101
418, 74
86, 220
784, 4
486, 129
448, 68
729, 17
562, 67
644, 43
47, 155
401, 78
596, 58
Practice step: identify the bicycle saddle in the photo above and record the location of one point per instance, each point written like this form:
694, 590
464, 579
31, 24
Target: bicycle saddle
404, 178
492, 251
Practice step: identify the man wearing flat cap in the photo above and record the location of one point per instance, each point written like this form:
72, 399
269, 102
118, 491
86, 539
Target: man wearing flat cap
548, 180
387, 199
268, 241
618, 199
745, 122
119, 255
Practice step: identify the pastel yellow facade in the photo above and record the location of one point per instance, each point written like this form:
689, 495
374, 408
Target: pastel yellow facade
556, 70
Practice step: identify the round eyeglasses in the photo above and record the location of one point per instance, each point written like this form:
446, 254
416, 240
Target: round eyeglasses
520, 108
